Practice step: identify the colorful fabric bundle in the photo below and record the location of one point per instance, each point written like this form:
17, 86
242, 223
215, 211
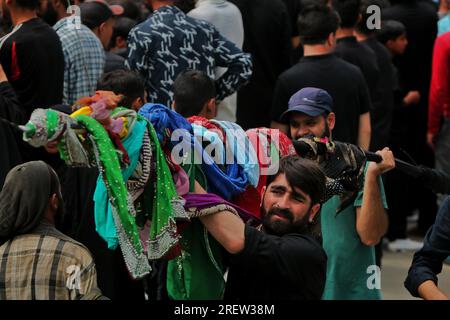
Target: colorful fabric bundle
270, 146
241, 150
165, 121
122, 210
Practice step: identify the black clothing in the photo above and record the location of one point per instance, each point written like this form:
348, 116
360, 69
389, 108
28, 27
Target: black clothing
113, 62
267, 37
33, 60
363, 57
383, 100
342, 80
414, 67
427, 262
9, 110
291, 267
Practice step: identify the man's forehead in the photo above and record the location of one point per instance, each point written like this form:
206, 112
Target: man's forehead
281, 182
300, 116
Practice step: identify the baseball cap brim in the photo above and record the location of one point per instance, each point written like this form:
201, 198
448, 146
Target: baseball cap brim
302, 108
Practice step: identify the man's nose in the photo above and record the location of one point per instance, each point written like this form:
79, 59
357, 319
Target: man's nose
303, 132
283, 202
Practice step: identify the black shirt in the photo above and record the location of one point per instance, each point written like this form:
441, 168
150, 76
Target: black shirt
33, 60
420, 20
291, 267
383, 100
363, 57
267, 36
342, 80
113, 62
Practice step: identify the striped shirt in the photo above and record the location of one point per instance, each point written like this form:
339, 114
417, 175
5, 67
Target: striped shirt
45, 265
84, 58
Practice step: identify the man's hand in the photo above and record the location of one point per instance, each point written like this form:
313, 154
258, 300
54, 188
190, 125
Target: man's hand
429, 291
3, 77
387, 164
413, 97
431, 137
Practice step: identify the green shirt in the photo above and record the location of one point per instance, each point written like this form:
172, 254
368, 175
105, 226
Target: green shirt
350, 263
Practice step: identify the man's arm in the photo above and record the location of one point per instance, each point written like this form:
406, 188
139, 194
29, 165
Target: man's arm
9, 102
371, 217
239, 66
429, 291
364, 131
227, 228
137, 55
427, 263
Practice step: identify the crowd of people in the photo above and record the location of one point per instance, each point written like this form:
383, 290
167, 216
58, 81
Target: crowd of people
140, 139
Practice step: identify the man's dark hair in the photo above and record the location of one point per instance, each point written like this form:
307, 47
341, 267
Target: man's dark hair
303, 174
390, 30
316, 22
362, 25
192, 89
28, 4
125, 82
185, 5
349, 11
131, 9
67, 3
122, 28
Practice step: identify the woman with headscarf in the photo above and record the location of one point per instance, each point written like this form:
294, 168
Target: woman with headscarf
37, 261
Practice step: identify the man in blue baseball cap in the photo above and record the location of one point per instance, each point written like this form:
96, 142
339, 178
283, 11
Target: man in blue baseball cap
310, 112
349, 238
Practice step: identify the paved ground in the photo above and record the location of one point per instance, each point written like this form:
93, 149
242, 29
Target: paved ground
393, 274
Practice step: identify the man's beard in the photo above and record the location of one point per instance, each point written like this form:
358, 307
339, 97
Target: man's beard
50, 15
282, 227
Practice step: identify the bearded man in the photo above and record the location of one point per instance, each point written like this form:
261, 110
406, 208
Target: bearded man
281, 259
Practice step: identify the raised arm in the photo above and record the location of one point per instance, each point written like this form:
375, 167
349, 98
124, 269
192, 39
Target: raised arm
371, 217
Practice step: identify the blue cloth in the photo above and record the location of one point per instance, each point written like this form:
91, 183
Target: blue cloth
84, 59
104, 220
215, 143
225, 184
428, 261
169, 42
242, 150
444, 25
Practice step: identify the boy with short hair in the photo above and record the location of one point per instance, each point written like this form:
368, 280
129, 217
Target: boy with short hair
127, 83
194, 95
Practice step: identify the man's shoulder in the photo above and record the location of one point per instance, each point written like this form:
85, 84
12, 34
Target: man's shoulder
306, 66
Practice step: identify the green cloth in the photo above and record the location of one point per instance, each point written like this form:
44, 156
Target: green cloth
198, 273
109, 166
104, 220
348, 259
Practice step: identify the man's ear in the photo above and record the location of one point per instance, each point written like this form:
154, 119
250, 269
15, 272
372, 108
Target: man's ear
263, 192
331, 120
54, 202
211, 108
120, 42
314, 211
138, 103
331, 41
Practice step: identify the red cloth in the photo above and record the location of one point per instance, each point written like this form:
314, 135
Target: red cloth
205, 123
15, 69
250, 200
439, 103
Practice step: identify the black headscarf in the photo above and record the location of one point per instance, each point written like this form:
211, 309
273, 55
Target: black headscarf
24, 198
